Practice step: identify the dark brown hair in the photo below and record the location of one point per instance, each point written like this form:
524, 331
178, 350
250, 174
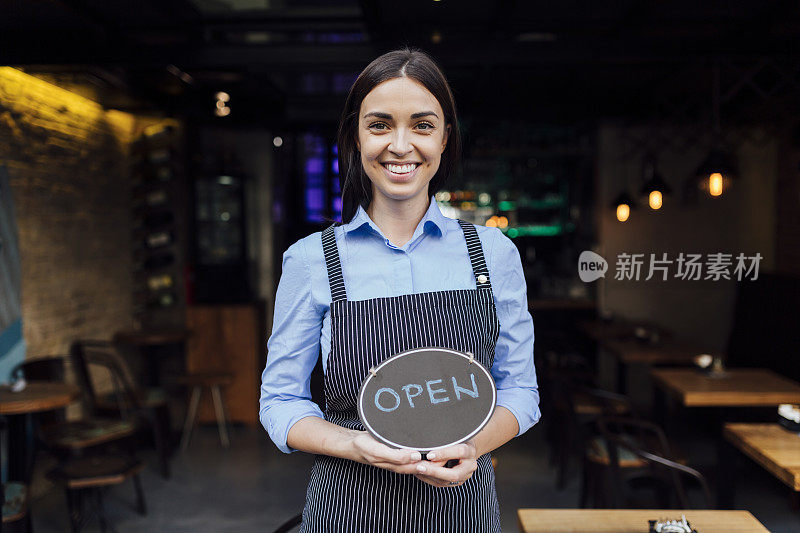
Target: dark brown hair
410, 63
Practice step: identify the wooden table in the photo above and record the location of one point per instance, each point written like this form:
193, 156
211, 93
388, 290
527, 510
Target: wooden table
151, 344
599, 330
737, 387
633, 351
38, 396
154, 337
771, 446
632, 521
19, 407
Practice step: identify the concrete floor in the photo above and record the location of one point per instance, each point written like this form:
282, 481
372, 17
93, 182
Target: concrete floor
254, 487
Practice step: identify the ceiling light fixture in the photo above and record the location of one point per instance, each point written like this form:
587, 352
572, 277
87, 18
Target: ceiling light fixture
717, 171
622, 205
654, 188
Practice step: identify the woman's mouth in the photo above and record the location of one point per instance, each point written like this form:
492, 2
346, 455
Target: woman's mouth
401, 172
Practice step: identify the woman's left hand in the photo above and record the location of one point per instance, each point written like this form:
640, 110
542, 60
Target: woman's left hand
434, 473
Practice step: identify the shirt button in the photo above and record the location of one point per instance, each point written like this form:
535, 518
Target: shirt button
482, 278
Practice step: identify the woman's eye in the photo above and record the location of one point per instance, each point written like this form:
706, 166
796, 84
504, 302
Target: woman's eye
425, 126
375, 125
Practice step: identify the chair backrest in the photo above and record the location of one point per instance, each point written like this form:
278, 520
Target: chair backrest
102, 355
570, 397
50, 368
647, 441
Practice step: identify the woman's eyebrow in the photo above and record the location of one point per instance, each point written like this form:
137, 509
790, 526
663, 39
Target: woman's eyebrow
424, 114
388, 116
379, 114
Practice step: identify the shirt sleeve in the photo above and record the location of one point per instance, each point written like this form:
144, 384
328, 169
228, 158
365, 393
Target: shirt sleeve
513, 369
293, 349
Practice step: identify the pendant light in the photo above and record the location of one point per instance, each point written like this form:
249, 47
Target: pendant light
716, 172
655, 188
622, 205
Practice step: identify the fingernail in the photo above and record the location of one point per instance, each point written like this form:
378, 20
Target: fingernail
432, 455
421, 468
416, 456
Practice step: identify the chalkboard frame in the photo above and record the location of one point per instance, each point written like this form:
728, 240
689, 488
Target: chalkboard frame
469, 359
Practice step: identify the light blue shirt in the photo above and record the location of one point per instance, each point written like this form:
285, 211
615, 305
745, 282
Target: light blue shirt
435, 259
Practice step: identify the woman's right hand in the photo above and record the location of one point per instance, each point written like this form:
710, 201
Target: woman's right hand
366, 449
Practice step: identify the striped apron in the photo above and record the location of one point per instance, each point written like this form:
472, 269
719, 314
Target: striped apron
346, 496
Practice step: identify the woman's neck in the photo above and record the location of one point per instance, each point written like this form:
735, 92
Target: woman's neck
398, 219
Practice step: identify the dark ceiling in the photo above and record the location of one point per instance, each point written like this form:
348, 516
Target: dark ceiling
291, 61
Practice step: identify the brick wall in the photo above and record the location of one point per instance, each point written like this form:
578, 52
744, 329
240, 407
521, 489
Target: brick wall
66, 158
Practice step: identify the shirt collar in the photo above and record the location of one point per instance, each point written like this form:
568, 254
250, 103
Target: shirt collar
433, 222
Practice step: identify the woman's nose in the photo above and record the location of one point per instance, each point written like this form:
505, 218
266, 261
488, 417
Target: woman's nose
400, 144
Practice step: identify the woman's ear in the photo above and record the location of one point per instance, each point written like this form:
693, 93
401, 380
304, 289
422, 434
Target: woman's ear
445, 137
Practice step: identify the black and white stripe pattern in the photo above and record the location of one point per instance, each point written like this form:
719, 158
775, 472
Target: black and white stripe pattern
345, 496
476, 255
338, 291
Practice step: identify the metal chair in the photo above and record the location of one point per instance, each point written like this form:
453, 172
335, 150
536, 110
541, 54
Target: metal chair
86, 478
652, 464
126, 401
577, 407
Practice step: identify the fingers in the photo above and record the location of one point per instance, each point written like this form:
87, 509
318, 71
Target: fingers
379, 454
464, 450
436, 482
432, 481
440, 474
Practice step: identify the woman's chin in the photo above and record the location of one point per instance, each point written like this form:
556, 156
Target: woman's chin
401, 192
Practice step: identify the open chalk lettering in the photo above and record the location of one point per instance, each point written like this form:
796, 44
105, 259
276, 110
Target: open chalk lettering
387, 399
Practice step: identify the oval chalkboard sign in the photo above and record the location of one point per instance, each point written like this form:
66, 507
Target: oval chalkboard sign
427, 398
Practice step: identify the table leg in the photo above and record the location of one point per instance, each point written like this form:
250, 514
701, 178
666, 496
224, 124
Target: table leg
21, 447
622, 377
659, 406
728, 463
153, 366
794, 501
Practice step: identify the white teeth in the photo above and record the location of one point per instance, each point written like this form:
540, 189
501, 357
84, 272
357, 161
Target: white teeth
400, 169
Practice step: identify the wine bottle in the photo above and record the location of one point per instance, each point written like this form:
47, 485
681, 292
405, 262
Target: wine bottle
158, 239
159, 282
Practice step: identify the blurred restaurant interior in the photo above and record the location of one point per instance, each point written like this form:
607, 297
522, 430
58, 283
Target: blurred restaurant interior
158, 157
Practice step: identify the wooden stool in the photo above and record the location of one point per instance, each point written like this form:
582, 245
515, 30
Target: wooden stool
212, 382
89, 476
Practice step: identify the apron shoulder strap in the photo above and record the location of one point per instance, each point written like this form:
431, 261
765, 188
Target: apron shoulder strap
475, 250
333, 264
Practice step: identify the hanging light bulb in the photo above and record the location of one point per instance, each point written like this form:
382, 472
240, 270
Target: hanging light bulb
717, 170
654, 188
715, 183
622, 206
716, 173
655, 200
623, 212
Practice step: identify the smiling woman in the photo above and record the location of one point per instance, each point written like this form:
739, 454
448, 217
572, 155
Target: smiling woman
401, 137
400, 112
397, 276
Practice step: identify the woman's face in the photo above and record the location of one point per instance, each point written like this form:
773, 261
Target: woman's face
401, 137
